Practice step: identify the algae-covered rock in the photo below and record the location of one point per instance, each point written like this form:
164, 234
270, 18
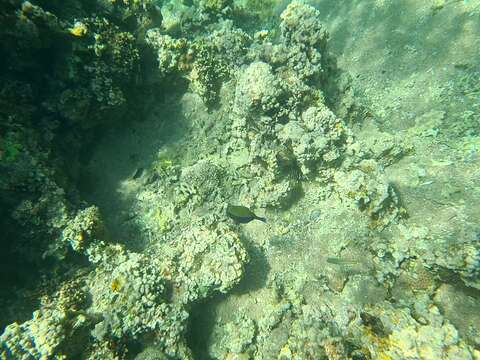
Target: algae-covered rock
362, 290
456, 251
58, 330
214, 6
257, 90
239, 334
202, 182
209, 260
151, 353
316, 140
408, 338
367, 189
462, 309
86, 227
131, 297
310, 333
172, 54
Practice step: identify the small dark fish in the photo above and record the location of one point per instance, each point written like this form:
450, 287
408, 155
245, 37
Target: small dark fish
242, 214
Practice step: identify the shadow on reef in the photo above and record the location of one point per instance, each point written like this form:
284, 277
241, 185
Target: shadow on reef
15, 269
203, 315
124, 160
24, 274
256, 271
203, 318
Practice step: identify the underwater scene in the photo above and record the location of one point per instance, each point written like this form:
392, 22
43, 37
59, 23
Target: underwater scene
240, 179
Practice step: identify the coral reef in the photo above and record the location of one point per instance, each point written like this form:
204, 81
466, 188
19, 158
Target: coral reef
57, 330
133, 299
209, 260
172, 54
451, 251
83, 229
206, 61
237, 337
264, 120
405, 337
370, 193
305, 39
214, 6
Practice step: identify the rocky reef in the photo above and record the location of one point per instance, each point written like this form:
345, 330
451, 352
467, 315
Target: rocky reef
216, 114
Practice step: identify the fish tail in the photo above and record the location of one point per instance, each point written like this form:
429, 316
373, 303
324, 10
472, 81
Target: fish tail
262, 219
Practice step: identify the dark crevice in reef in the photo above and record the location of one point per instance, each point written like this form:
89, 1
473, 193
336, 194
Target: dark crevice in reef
203, 315
25, 274
15, 269
256, 270
201, 325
